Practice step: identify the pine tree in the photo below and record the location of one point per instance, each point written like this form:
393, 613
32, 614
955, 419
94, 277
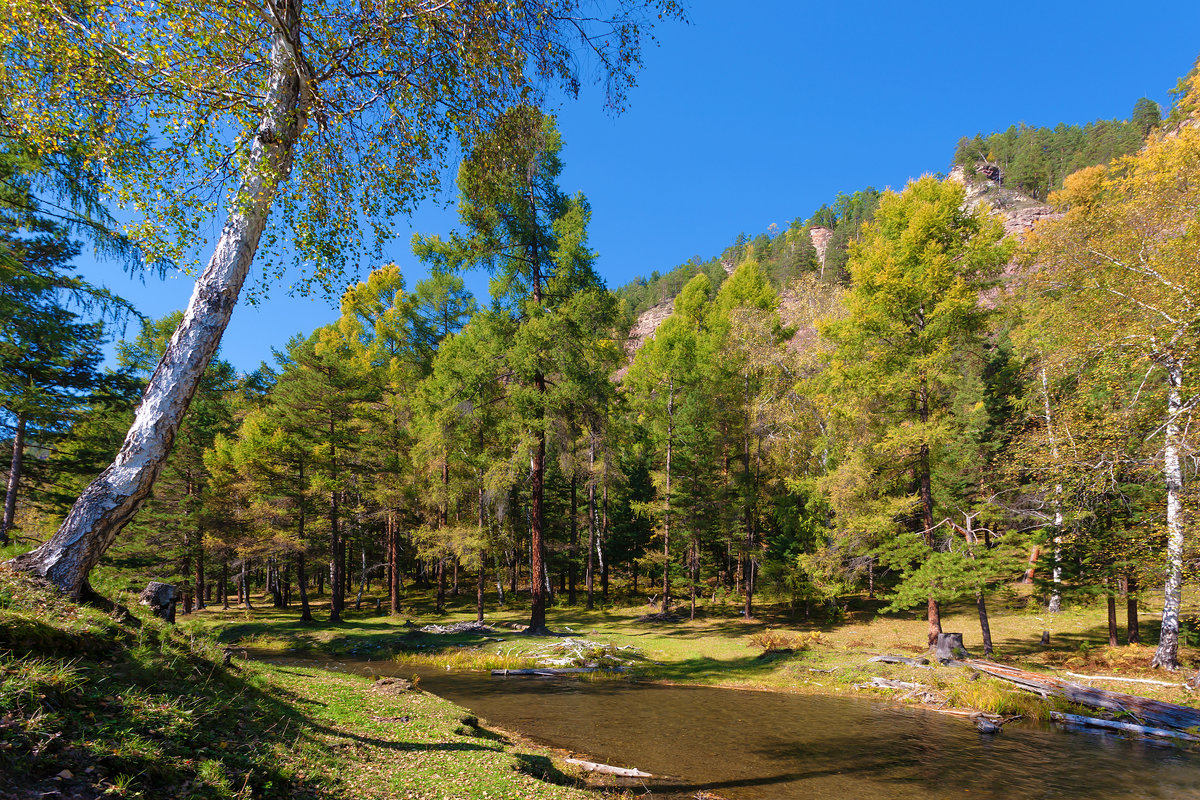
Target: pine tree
49, 353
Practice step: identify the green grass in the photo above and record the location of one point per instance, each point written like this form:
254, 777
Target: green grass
97, 702
102, 701
722, 648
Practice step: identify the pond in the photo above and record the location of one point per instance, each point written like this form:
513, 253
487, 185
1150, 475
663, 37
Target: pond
746, 744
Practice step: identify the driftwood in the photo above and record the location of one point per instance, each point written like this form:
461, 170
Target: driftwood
1126, 680
890, 659
884, 683
605, 769
1147, 712
550, 672
1112, 725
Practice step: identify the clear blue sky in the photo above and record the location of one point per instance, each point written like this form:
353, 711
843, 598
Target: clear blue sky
757, 113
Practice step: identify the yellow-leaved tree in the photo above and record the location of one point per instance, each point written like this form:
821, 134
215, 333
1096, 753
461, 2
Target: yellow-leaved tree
1119, 273
303, 125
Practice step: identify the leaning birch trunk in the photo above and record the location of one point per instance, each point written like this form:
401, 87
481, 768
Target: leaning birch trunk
112, 500
1167, 655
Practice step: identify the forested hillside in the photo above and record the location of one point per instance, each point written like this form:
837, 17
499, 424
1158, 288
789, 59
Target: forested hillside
895, 395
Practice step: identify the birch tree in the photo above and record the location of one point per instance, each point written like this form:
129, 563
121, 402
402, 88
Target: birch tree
1120, 270
301, 127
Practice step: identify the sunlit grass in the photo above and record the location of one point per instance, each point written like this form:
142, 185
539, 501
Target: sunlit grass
102, 704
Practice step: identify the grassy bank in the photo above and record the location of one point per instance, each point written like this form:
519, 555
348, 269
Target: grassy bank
100, 702
778, 650
103, 702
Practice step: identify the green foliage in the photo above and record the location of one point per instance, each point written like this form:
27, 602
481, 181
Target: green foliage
905, 354
1035, 161
377, 113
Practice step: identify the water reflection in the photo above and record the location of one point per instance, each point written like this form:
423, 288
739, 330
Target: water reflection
746, 745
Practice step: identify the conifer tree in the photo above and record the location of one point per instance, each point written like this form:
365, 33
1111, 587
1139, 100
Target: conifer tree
49, 353
548, 302
914, 319
316, 119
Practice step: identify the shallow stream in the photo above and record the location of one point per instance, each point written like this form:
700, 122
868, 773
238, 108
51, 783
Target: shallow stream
746, 744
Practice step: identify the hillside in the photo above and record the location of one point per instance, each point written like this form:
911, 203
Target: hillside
1018, 212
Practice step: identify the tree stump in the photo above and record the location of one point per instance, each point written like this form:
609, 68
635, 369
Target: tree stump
162, 599
950, 647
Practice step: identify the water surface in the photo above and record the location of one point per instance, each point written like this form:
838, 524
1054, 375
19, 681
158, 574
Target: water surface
747, 745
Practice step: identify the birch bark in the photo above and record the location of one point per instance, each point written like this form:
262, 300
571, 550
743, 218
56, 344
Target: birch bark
112, 500
1167, 654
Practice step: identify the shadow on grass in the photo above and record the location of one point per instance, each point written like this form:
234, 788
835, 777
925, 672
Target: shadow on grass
154, 711
543, 769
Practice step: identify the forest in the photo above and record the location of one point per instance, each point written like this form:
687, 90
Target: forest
927, 410
963, 402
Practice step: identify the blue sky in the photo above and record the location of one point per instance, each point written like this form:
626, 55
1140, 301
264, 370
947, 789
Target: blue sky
759, 115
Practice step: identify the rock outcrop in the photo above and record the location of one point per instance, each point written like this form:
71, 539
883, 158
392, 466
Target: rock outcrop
162, 599
1018, 212
643, 330
820, 240
647, 323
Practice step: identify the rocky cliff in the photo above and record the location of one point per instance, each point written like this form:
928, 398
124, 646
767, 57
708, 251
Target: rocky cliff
1018, 212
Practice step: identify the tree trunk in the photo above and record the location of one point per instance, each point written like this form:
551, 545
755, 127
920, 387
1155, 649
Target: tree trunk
666, 598
302, 586
362, 577
199, 575
441, 586
1133, 635
275, 582
1034, 554
591, 546
600, 547
1112, 620
747, 514
109, 503
984, 627
537, 561
14, 478
573, 552
225, 584
337, 573
479, 587
694, 570
394, 563
1167, 654
1055, 604
933, 610
245, 584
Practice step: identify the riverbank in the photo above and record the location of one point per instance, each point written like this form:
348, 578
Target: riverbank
96, 701
102, 702
777, 651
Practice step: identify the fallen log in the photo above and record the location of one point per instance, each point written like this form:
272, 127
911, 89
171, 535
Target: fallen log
890, 659
605, 769
884, 683
1147, 712
1126, 680
1113, 725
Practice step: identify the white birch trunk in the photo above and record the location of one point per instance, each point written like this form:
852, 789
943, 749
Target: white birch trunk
1167, 655
112, 500
1055, 604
